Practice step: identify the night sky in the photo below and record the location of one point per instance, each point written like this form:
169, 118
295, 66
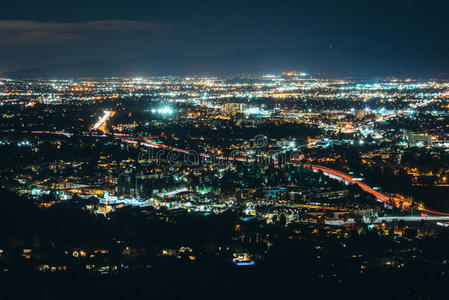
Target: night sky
317, 36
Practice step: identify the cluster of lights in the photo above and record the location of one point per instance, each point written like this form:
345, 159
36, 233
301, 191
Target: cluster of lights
166, 110
255, 111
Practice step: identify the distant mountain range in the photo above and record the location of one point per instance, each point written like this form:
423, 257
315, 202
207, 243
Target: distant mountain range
329, 61
154, 65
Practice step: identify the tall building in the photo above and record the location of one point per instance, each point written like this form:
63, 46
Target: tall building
234, 108
417, 140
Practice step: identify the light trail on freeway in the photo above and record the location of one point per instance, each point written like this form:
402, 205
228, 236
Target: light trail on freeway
148, 143
380, 196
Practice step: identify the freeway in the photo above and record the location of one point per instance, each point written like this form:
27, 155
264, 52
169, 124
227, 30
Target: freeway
368, 189
432, 211
347, 178
327, 171
101, 124
392, 219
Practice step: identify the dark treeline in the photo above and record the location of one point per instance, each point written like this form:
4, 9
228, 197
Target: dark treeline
298, 259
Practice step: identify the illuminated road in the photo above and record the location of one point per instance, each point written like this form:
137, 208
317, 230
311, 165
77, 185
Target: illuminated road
432, 211
366, 188
101, 124
347, 178
328, 171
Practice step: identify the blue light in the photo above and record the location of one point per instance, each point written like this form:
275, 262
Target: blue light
249, 263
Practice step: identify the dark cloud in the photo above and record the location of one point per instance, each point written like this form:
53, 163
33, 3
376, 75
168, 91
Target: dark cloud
18, 33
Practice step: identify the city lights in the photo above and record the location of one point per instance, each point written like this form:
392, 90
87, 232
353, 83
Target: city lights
165, 110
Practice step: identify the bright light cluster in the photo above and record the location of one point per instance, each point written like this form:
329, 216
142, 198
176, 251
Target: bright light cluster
166, 110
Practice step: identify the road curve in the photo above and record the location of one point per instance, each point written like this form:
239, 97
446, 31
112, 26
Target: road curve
382, 197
